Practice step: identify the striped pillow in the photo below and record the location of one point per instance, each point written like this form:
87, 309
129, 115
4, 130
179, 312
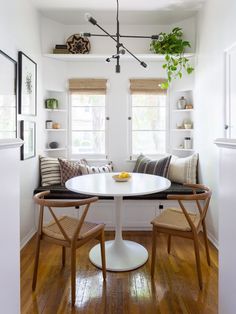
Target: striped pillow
70, 169
85, 169
157, 167
50, 171
184, 169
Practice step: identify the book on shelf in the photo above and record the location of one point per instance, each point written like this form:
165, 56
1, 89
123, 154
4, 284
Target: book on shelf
61, 51
61, 46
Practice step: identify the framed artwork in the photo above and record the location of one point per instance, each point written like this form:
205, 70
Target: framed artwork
8, 97
27, 134
27, 85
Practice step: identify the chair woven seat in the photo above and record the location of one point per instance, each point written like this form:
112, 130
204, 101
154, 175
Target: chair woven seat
69, 225
181, 222
68, 232
174, 218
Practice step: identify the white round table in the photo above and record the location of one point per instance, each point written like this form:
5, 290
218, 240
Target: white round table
121, 255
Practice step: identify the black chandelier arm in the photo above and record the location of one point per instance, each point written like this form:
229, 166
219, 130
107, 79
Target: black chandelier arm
141, 62
122, 36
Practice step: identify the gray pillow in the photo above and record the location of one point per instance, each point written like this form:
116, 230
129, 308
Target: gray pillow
158, 167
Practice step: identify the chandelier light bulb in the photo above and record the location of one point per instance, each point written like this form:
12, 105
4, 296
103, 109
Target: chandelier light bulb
87, 17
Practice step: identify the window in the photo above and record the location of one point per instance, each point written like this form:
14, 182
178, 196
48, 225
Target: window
88, 122
148, 127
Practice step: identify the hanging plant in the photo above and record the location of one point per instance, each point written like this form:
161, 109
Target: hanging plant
172, 46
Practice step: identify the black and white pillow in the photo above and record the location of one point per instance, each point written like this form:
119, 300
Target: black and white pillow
85, 169
157, 167
70, 169
50, 171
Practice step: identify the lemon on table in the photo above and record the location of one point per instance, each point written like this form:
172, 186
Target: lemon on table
123, 175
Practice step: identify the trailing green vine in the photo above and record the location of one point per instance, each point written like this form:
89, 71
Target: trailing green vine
172, 46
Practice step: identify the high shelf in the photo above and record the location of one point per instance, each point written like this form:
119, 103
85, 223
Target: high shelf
182, 123
57, 131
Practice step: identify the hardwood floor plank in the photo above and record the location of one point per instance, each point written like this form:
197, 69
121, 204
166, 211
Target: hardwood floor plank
174, 289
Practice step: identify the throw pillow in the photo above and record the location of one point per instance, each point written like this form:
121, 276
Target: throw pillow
157, 167
183, 170
50, 171
70, 169
85, 169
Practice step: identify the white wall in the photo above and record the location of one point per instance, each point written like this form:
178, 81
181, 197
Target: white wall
216, 25
9, 229
216, 32
56, 33
19, 30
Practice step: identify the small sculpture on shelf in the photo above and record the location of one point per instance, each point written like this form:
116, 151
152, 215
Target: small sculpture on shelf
53, 145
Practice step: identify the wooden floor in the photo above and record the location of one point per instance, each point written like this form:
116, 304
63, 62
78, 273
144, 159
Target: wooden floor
174, 290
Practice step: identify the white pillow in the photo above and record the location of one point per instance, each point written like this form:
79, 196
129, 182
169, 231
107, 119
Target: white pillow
85, 169
183, 170
50, 171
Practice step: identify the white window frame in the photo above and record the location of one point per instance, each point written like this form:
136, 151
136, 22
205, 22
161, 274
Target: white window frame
92, 156
130, 129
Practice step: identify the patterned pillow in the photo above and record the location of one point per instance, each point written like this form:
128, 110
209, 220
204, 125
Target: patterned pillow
85, 169
158, 167
50, 171
70, 169
183, 170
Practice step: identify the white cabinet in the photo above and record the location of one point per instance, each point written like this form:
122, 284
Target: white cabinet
56, 125
182, 123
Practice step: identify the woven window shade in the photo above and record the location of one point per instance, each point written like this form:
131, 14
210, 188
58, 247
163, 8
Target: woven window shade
88, 86
147, 86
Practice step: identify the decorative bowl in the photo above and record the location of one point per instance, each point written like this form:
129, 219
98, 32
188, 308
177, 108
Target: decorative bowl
117, 179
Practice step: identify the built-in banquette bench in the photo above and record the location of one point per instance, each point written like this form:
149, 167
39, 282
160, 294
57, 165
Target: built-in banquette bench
61, 192
138, 210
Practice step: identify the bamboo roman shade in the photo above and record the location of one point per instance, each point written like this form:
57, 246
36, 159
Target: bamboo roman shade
147, 86
87, 86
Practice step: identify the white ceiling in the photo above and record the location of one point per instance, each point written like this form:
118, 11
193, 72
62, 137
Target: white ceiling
131, 11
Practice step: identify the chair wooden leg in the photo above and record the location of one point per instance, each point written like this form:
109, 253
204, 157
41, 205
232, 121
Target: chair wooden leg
169, 243
206, 242
73, 274
36, 262
63, 256
102, 244
198, 261
154, 234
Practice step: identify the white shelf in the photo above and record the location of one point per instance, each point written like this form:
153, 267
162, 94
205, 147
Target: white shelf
54, 149
182, 130
56, 110
55, 130
183, 110
102, 57
183, 149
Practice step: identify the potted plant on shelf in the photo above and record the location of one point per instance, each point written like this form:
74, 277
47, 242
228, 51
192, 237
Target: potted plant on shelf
172, 46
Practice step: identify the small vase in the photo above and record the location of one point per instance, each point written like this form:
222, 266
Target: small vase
181, 103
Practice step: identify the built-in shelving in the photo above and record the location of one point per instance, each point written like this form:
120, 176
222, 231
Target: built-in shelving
182, 130
183, 110
183, 149
58, 116
102, 57
55, 110
178, 118
55, 130
55, 149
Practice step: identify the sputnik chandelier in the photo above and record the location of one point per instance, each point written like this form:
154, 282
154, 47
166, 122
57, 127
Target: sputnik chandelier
120, 48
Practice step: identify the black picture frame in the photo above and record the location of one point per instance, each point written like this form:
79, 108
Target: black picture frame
27, 134
27, 85
8, 96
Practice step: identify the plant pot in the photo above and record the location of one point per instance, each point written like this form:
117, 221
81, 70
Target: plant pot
51, 103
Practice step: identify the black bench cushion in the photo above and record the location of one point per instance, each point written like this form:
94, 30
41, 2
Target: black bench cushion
60, 192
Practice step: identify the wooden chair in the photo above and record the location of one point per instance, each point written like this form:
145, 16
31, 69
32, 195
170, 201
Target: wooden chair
179, 222
67, 232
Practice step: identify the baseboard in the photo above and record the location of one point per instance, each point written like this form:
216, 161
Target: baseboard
213, 240
26, 239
